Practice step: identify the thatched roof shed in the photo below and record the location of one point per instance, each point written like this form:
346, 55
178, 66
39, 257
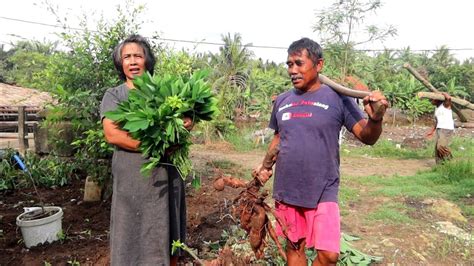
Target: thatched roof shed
18, 96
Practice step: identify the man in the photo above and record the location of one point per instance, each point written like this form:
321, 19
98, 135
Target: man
307, 120
444, 127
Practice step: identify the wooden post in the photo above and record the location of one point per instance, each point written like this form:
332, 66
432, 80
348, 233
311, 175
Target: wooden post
22, 129
428, 85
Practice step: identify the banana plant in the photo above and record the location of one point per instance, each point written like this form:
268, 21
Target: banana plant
453, 89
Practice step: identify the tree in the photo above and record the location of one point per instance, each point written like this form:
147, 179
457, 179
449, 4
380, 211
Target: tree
174, 63
79, 76
443, 58
22, 64
265, 82
5, 66
339, 23
231, 71
28, 60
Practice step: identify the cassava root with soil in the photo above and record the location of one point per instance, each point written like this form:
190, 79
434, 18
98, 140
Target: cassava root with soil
251, 208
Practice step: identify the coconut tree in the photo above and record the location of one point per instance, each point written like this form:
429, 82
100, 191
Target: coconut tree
230, 75
443, 58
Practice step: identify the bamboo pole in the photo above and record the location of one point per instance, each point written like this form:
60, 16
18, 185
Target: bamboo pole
428, 85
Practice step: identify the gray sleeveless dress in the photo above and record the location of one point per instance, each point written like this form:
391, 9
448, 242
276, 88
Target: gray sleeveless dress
147, 212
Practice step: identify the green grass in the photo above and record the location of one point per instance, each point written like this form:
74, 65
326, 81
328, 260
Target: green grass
390, 213
228, 168
453, 180
347, 195
461, 148
417, 186
242, 141
223, 164
454, 171
468, 209
386, 148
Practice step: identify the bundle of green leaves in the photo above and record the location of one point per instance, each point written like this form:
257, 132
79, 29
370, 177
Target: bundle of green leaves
154, 112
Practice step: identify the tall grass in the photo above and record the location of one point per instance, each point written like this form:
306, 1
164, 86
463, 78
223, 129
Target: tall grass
454, 171
462, 147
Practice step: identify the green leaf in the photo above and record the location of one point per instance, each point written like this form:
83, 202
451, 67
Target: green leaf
154, 110
147, 167
115, 115
134, 126
196, 183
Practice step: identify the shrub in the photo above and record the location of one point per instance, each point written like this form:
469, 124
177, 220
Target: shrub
47, 171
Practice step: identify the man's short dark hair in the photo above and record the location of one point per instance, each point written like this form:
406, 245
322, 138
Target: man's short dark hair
138, 39
315, 52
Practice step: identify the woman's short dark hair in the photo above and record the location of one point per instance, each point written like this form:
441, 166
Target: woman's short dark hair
315, 52
138, 39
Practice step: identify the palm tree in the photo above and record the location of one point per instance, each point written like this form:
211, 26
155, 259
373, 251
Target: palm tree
231, 72
442, 57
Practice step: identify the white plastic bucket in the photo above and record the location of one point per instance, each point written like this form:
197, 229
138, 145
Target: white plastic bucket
39, 231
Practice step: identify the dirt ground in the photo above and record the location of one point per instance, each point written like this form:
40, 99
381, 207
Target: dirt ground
86, 224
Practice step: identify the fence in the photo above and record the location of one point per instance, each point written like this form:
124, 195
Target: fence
17, 122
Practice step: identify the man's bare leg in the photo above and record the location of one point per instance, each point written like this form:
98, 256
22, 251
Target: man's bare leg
326, 258
295, 252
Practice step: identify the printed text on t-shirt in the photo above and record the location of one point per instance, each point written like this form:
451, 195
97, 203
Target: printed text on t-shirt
303, 102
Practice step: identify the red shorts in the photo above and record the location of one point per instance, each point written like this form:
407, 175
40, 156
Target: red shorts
321, 227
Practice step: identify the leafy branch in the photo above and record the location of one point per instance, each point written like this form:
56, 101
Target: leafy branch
154, 112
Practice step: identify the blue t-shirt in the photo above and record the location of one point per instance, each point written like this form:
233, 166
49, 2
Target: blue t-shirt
307, 167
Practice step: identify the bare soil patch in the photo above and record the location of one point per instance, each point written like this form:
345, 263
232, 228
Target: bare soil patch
209, 213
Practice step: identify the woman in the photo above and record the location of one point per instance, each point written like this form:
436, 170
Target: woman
147, 212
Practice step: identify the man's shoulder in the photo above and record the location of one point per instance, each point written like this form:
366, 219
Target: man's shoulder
285, 94
326, 89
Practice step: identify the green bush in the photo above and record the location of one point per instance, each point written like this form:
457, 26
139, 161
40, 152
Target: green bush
47, 171
93, 155
8, 172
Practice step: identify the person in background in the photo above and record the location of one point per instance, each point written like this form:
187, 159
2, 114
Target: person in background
307, 120
147, 213
444, 127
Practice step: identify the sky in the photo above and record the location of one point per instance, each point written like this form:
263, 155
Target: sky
421, 24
